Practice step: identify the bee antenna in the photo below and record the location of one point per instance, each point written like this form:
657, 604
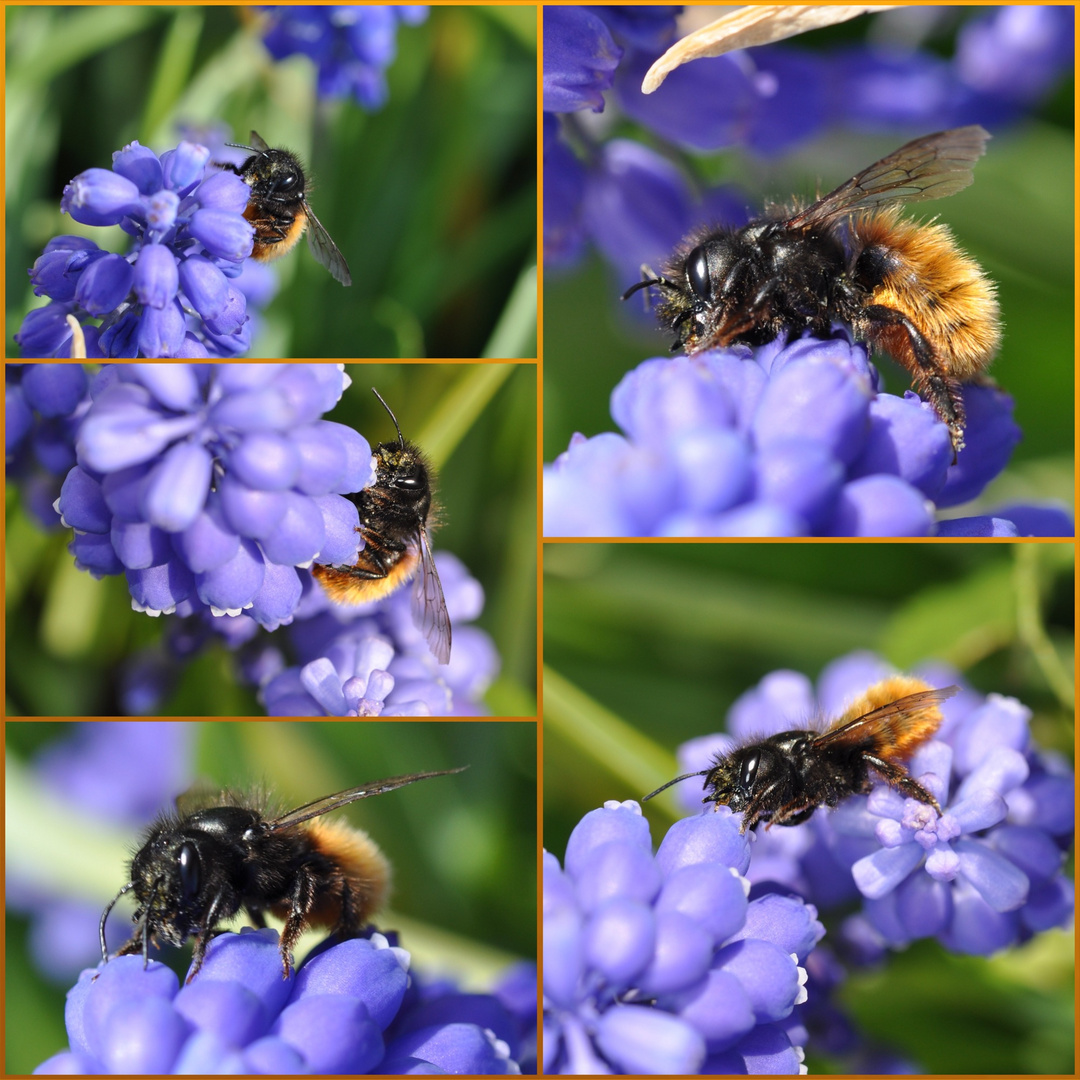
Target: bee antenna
685, 776
401, 438
644, 285
105, 915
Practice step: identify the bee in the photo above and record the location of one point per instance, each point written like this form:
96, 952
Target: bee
783, 779
394, 515
903, 286
279, 210
200, 865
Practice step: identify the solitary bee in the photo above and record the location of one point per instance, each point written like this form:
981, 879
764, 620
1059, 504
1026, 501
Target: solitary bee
394, 515
902, 285
279, 210
783, 779
199, 866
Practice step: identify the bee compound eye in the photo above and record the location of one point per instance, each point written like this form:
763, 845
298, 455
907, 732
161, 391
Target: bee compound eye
284, 184
749, 770
190, 869
697, 272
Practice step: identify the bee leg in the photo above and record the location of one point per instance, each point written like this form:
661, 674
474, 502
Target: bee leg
268, 231
377, 559
793, 813
301, 903
206, 932
880, 324
349, 919
899, 779
756, 807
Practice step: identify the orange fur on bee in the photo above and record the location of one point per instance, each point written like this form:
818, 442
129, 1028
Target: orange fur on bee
345, 587
359, 865
943, 292
897, 737
271, 240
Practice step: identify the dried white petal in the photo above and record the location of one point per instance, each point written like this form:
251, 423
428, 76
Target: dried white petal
748, 26
78, 341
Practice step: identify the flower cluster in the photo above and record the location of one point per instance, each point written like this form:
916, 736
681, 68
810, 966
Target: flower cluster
378, 663
351, 1008
173, 293
705, 957
664, 963
634, 206
213, 489
983, 876
351, 44
207, 487
787, 439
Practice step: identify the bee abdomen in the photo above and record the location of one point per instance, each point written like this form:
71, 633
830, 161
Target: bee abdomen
917, 268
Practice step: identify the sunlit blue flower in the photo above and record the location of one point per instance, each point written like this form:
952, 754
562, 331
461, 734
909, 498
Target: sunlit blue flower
350, 1008
787, 439
171, 294
352, 44
984, 875
660, 963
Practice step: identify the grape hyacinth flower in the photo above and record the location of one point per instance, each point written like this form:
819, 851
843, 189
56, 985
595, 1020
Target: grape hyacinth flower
43, 406
363, 662
378, 663
209, 486
983, 876
173, 293
351, 1008
662, 963
213, 489
351, 44
787, 439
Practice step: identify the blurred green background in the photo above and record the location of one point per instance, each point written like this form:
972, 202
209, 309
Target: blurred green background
1016, 219
648, 645
463, 848
68, 634
432, 199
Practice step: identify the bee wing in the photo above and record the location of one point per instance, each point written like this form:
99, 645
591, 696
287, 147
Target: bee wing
429, 604
882, 720
324, 249
927, 168
258, 142
200, 796
343, 798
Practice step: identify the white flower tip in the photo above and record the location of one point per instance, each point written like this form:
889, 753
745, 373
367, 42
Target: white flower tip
501, 1048
152, 612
